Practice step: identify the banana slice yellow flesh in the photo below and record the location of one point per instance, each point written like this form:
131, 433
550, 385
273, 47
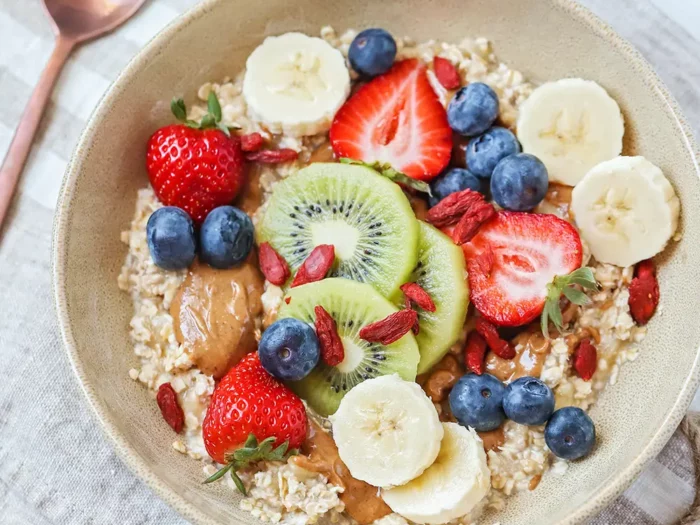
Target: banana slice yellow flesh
451, 487
571, 125
626, 210
294, 84
387, 431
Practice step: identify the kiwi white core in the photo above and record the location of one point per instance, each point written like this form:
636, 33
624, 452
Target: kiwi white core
353, 356
338, 233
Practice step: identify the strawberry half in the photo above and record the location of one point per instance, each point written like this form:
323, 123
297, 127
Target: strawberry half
397, 119
513, 261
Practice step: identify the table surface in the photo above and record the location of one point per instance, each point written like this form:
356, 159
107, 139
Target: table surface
56, 467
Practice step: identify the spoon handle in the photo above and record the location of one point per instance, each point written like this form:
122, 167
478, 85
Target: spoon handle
21, 144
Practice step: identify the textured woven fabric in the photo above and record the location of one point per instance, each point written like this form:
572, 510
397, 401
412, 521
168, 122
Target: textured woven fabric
56, 467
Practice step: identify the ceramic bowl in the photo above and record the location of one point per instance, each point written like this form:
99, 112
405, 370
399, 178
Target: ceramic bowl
545, 39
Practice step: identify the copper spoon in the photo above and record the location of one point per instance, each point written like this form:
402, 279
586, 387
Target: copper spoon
74, 21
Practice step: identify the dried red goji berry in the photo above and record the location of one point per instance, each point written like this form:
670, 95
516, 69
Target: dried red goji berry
169, 407
644, 293
415, 292
498, 346
450, 209
287, 300
332, 351
446, 73
585, 359
391, 328
474, 353
272, 265
316, 265
471, 221
273, 156
251, 142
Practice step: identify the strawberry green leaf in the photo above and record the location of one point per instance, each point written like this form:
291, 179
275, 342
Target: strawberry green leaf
252, 452
576, 296
214, 107
393, 175
177, 106
218, 474
564, 285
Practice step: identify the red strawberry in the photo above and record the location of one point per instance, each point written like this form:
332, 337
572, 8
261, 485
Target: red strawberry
397, 119
525, 252
195, 166
249, 414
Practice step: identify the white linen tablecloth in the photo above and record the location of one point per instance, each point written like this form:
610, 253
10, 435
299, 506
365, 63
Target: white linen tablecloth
56, 467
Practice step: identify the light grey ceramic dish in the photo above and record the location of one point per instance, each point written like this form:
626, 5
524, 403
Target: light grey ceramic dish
545, 39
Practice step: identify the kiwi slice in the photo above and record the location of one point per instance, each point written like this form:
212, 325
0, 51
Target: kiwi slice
364, 215
441, 272
352, 305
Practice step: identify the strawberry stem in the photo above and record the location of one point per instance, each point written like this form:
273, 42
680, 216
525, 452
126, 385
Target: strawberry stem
390, 173
251, 452
212, 120
564, 285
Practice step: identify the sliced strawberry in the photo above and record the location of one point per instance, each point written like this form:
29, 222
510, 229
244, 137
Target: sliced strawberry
398, 119
525, 252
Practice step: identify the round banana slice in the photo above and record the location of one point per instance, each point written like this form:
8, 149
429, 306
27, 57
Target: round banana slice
294, 84
387, 431
458, 480
626, 210
571, 125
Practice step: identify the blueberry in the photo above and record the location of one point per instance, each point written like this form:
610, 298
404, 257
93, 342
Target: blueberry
226, 237
488, 149
451, 181
473, 109
570, 433
170, 236
289, 349
519, 182
528, 401
372, 52
477, 401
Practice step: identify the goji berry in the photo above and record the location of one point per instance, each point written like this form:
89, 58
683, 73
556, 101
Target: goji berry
272, 265
450, 209
474, 353
332, 351
644, 293
169, 407
316, 265
273, 156
287, 300
391, 328
498, 346
415, 292
251, 142
585, 359
446, 73
471, 221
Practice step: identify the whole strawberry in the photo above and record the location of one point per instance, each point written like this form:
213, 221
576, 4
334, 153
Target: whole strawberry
195, 166
250, 414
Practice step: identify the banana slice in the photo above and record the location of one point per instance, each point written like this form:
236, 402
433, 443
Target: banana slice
451, 487
571, 125
294, 84
387, 431
626, 210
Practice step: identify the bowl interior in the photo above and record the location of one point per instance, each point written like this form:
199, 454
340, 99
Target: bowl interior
545, 39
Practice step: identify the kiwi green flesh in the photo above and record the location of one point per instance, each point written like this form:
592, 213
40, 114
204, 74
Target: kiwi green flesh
364, 215
352, 305
441, 272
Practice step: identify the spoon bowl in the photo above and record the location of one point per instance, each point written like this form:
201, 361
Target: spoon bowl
81, 20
